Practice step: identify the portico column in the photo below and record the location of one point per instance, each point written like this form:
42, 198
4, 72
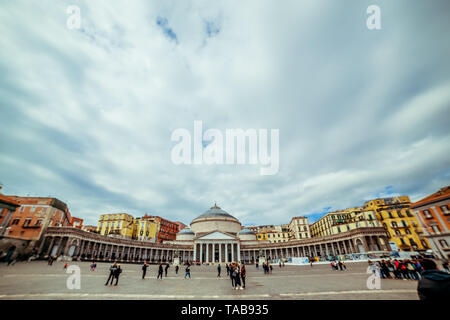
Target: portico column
49, 250
195, 251
238, 252
226, 252
232, 252
201, 253
207, 252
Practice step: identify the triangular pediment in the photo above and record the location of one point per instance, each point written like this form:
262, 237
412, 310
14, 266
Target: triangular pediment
216, 235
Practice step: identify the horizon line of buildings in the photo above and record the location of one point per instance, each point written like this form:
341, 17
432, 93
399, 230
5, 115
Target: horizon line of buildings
418, 226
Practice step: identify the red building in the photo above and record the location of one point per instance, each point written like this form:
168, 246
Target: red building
77, 223
433, 215
33, 215
166, 230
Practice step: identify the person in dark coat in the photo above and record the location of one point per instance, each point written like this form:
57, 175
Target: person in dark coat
117, 273
160, 272
165, 270
243, 275
111, 273
219, 269
434, 284
144, 269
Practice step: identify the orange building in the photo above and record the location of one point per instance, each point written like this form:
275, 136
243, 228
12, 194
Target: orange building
433, 214
166, 230
77, 223
181, 225
33, 216
7, 209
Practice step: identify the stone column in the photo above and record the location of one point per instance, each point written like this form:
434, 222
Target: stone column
207, 252
195, 251
49, 250
238, 251
232, 252
226, 252
201, 253
59, 246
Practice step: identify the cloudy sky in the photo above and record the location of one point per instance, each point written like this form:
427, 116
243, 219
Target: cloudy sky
87, 114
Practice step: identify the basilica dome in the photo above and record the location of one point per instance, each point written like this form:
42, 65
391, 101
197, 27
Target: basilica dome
247, 234
185, 234
215, 219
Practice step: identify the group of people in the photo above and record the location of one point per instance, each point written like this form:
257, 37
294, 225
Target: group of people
114, 272
164, 270
237, 273
405, 269
338, 265
267, 268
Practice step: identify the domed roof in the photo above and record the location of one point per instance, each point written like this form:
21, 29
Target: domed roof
215, 212
246, 231
186, 231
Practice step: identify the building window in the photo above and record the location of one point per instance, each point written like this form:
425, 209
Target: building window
27, 222
443, 243
435, 228
427, 214
424, 244
408, 231
409, 213
15, 222
38, 222
445, 209
390, 215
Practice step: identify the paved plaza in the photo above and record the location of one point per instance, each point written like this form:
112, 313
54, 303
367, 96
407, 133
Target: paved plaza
37, 280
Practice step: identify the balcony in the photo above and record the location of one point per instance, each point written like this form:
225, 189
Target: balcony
398, 226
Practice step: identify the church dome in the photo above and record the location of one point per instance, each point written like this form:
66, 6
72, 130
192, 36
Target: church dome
247, 234
246, 231
185, 234
216, 219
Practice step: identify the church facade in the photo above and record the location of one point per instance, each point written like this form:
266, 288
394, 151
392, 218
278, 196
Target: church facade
213, 237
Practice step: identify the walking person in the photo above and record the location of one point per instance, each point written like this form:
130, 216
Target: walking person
117, 273
160, 272
270, 268
176, 269
340, 265
188, 271
232, 276
237, 277
343, 264
243, 274
166, 268
112, 269
144, 269
228, 269
219, 268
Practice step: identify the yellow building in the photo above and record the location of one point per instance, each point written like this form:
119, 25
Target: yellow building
271, 233
118, 224
146, 228
344, 220
400, 222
